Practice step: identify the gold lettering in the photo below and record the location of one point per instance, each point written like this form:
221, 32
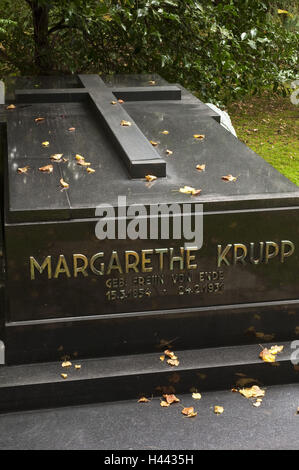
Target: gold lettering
94, 258
80, 269
179, 259
46, 264
260, 259
222, 255
145, 261
161, 252
268, 254
114, 263
62, 267
135, 263
284, 254
190, 258
242, 256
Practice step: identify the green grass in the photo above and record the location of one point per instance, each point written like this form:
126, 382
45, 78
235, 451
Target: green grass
269, 125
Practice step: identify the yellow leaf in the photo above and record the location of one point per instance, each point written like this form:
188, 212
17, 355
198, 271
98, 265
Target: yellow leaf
254, 392
64, 376
45, 144
24, 169
229, 178
165, 132
46, 169
64, 184
150, 178
79, 157
125, 123
10, 106
168, 152
218, 409
199, 136
56, 157
267, 356
66, 364
201, 167
164, 404
143, 400
90, 170
196, 396
154, 144
173, 362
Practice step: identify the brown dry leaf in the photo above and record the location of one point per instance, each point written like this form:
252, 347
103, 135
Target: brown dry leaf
164, 404
64, 376
64, 184
173, 362
267, 356
56, 157
170, 354
199, 136
168, 152
90, 170
45, 144
143, 400
201, 167
83, 163
150, 178
196, 396
154, 144
190, 190
254, 392
189, 412
165, 132
46, 169
218, 410
72, 129
229, 178
39, 119
275, 349
11, 106
171, 398
234, 390
120, 101
78, 366
66, 364
125, 123
24, 169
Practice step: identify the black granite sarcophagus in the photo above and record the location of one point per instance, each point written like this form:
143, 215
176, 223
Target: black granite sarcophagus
65, 289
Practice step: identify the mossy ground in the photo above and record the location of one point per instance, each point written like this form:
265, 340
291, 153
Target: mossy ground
269, 125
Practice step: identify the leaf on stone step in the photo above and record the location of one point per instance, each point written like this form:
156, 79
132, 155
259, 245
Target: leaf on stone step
39, 119
275, 349
150, 178
64, 376
189, 412
267, 356
170, 354
79, 157
190, 190
90, 170
253, 392
218, 409
24, 169
143, 400
173, 362
164, 404
113, 102
72, 129
229, 178
46, 143
162, 358
168, 152
66, 364
201, 167
152, 82
46, 169
165, 132
56, 157
171, 398
196, 396
78, 366
11, 106
125, 123
83, 163
199, 136
154, 143
120, 101
64, 184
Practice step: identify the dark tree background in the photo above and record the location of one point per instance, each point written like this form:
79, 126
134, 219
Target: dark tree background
221, 48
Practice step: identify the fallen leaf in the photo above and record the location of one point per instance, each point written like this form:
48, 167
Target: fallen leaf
79, 157
11, 106
78, 366
190, 190
45, 144
267, 356
152, 82
199, 136
72, 129
173, 362
253, 392
229, 178
162, 358
113, 102
154, 144
171, 398
143, 400
83, 163
56, 157
90, 170
120, 101
66, 364
165, 132
150, 178
64, 184
24, 169
170, 354
64, 376
218, 410
201, 167
125, 123
275, 349
39, 119
168, 152
196, 396
164, 404
189, 412
46, 169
